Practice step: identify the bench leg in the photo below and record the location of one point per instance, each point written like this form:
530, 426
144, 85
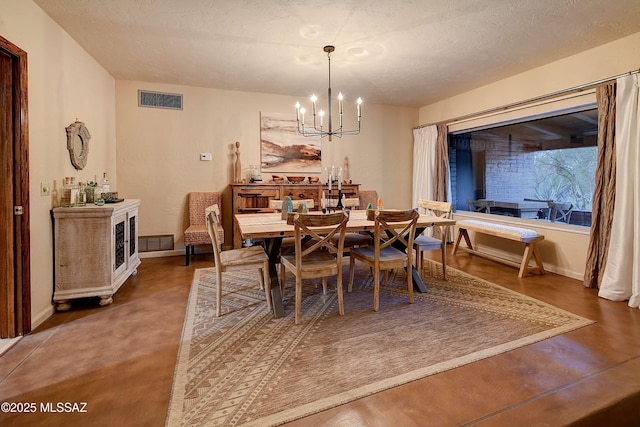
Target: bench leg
462, 233
538, 258
529, 250
524, 266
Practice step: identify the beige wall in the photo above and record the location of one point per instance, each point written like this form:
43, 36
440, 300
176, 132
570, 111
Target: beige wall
563, 250
158, 150
65, 83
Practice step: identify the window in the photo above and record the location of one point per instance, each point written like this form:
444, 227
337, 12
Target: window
541, 168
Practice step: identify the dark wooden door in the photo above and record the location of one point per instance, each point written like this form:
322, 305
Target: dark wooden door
15, 306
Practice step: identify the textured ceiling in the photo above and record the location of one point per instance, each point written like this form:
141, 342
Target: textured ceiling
411, 52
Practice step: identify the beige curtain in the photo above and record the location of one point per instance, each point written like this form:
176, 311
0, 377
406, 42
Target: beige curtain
604, 194
441, 185
425, 140
441, 171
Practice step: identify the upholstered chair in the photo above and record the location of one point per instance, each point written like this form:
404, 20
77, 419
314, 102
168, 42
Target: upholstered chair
196, 233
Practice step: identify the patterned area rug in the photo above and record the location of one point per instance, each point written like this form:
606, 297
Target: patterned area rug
246, 368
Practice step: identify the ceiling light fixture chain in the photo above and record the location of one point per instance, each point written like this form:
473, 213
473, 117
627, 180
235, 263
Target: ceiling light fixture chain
318, 124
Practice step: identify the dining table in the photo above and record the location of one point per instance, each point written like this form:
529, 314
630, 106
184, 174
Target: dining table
271, 228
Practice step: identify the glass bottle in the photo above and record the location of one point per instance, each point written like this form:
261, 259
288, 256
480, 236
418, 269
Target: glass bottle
105, 183
82, 196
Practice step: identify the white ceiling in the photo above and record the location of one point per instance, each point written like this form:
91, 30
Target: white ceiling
402, 52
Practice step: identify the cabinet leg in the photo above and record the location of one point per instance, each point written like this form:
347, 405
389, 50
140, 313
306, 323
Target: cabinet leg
63, 305
106, 300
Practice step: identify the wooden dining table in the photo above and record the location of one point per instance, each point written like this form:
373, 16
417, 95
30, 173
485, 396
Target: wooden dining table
272, 228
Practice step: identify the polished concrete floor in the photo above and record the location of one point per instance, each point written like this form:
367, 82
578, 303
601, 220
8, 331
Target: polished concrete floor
113, 366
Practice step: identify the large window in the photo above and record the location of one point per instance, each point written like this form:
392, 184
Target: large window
542, 168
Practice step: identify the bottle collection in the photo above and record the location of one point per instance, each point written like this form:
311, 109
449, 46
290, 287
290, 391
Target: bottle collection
81, 193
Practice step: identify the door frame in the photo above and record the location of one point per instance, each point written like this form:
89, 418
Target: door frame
18, 315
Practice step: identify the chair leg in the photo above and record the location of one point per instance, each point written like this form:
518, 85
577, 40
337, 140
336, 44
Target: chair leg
376, 289
419, 261
324, 285
339, 290
443, 252
283, 276
219, 291
351, 272
409, 281
187, 257
298, 299
264, 278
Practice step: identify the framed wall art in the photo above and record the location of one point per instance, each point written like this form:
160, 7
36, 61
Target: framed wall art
283, 150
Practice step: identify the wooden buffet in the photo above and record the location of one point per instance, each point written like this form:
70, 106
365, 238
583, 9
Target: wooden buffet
254, 198
95, 250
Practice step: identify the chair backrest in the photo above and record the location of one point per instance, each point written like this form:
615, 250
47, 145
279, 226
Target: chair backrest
366, 197
276, 205
480, 205
434, 208
431, 207
561, 211
198, 202
213, 223
388, 231
318, 232
352, 203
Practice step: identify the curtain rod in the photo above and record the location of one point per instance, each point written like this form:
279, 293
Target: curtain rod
532, 100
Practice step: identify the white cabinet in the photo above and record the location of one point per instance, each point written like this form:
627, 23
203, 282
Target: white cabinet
96, 250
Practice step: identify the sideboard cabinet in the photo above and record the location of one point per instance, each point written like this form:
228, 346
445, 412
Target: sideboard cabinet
254, 198
95, 250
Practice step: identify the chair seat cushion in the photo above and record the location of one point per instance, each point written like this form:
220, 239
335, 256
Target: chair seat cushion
427, 243
354, 239
198, 235
244, 256
315, 261
387, 254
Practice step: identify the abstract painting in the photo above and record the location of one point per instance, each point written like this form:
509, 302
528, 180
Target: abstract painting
284, 150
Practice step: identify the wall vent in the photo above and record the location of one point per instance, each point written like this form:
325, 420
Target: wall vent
171, 101
155, 243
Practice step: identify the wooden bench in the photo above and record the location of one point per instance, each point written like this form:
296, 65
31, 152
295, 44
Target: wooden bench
527, 236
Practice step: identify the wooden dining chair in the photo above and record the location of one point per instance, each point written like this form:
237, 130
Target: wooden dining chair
320, 256
560, 212
392, 230
431, 243
236, 259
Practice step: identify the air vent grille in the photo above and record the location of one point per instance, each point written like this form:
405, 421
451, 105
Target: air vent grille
171, 101
155, 243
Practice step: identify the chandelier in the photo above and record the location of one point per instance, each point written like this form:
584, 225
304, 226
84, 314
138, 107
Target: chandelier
318, 115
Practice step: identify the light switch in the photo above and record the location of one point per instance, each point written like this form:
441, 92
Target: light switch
205, 157
45, 189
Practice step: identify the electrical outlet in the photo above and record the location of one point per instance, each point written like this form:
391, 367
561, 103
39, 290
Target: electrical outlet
45, 189
205, 157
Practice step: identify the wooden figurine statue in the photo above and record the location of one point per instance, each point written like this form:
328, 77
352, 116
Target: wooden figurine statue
237, 168
345, 171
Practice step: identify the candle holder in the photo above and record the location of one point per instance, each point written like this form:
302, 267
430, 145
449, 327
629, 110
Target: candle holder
330, 207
